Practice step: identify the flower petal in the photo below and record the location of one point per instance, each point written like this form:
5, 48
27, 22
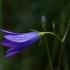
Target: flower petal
12, 53
23, 37
22, 45
8, 43
9, 33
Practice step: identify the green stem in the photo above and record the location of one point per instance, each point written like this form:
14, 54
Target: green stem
48, 54
60, 55
52, 34
47, 49
66, 31
62, 44
42, 33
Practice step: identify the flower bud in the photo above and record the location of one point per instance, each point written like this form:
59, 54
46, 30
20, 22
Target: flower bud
43, 19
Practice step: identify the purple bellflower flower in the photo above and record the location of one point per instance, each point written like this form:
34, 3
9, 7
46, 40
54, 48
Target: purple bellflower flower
18, 42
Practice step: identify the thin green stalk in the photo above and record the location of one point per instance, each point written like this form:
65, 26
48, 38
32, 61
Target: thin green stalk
62, 44
48, 51
42, 33
54, 35
60, 49
48, 48
47, 45
66, 31
48, 54
60, 55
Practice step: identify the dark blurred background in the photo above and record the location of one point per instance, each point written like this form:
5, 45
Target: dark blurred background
22, 15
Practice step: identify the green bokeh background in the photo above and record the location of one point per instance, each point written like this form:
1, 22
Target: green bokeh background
22, 15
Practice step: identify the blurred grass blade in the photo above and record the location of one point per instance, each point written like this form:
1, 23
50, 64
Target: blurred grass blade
66, 31
65, 61
1, 36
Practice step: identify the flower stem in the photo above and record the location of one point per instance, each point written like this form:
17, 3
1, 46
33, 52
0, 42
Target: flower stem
66, 31
48, 50
60, 49
54, 35
62, 44
48, 53
60, 55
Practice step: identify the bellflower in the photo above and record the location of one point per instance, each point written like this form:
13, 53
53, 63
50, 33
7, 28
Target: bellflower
18, 42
